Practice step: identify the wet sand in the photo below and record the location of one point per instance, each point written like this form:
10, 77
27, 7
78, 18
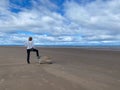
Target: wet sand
72, 69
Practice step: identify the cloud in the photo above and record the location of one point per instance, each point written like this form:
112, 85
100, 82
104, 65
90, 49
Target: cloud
95, 15
97, 18
72, 21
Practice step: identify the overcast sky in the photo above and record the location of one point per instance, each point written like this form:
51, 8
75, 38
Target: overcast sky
60, 22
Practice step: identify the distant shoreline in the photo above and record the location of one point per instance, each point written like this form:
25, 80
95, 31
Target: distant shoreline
69, 45
106, 48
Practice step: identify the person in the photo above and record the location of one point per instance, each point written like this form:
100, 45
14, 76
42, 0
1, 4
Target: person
30, 47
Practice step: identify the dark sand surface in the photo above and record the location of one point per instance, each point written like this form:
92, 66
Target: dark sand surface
72, 69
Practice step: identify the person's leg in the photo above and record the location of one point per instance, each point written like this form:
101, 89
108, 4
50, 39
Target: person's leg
28, 55
37, 52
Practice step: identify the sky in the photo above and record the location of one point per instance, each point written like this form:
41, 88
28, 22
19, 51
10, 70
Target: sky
60, 22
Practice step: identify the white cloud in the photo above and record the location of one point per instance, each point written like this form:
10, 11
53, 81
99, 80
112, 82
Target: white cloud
95, 15
97, 21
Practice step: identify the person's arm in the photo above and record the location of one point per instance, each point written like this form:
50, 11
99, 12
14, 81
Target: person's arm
25, 43
33, 44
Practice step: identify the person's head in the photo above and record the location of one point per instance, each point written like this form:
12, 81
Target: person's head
30, 39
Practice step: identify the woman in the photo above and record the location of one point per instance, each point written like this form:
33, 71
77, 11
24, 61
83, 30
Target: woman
30, 47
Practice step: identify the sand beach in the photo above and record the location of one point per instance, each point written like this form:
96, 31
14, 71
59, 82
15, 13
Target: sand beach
72, 69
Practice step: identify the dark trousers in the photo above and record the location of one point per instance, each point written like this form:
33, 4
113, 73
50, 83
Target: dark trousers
28, 53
